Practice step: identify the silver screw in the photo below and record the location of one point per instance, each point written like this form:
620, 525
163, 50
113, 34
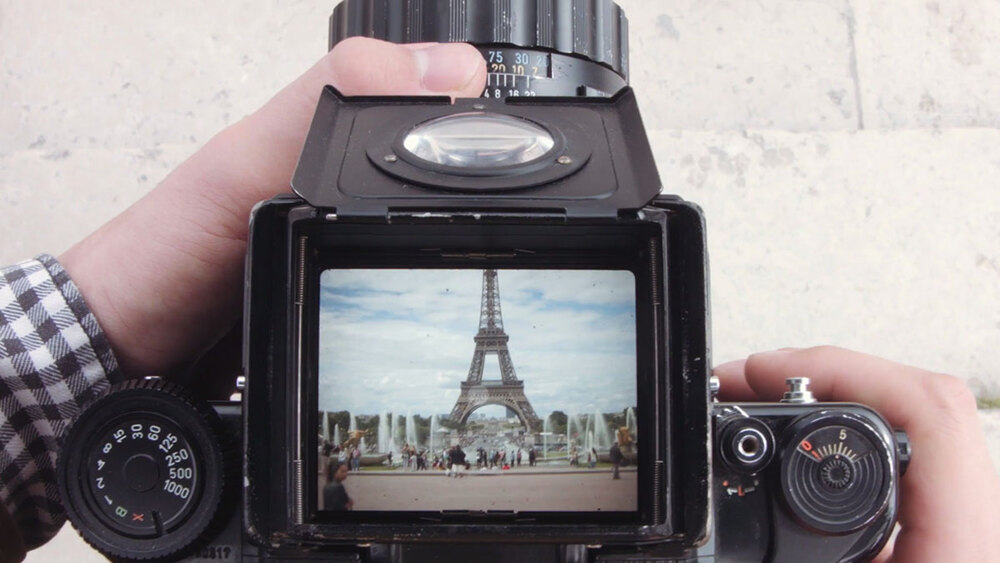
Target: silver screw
714, 384
564, 160
391, 158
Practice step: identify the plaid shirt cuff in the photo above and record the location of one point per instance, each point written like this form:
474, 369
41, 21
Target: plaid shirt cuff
54, 358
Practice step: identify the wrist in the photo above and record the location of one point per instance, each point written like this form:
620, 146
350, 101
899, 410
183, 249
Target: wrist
162, 280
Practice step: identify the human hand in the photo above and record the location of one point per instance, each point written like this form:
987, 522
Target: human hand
164, 278
951, 492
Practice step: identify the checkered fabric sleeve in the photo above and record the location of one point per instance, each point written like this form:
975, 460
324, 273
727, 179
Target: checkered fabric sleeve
53, 359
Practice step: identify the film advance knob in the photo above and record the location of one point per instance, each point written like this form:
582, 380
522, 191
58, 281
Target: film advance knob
147, 472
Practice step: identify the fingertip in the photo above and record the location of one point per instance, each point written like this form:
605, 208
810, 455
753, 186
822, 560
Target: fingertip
365, 66
456, 69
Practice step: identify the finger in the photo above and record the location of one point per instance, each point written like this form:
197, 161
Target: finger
371, 67
950, 491
844, 375
886, 555
266, 146
733, 386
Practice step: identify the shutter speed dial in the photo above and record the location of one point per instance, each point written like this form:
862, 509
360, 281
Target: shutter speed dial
144, 474
147, 472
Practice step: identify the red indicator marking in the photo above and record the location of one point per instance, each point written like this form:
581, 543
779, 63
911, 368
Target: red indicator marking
137, 517
816, 455
806, 445
739, 490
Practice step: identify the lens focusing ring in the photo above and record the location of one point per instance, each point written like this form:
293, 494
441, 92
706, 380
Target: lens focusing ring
594, 29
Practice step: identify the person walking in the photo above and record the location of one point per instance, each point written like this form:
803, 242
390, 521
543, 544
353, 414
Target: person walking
458, 462
616, 460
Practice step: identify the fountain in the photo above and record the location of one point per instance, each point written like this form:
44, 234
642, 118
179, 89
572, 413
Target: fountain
336, 435
630, 421
394, 434
411, 430
324, 425
352, 428
384, 437
602, 435
573, 424
546, 432
434, 429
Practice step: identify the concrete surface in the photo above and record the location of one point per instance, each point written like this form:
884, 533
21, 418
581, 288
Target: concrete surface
846, 152
523, 490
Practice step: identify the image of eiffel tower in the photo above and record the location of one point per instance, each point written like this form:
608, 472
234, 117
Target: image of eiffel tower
491, 340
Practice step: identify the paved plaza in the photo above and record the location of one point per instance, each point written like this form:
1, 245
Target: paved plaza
493, 490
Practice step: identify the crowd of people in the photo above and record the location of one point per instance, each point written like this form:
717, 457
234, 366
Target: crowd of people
347, 454
503, 458
453, 460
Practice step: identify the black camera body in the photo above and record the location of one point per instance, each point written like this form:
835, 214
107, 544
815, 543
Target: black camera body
507, 230
408, 215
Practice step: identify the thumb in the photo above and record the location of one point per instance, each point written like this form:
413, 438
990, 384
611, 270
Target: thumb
267, 143
361, 66
376, 68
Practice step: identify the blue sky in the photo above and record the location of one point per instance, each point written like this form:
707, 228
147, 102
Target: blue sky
402, 340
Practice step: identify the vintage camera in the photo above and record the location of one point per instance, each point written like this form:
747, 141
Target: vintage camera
368, 291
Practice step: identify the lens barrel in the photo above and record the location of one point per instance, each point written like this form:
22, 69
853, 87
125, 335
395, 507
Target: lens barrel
581, 40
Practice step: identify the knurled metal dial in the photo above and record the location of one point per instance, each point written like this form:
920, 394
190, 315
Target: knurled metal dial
531, 47
147, 472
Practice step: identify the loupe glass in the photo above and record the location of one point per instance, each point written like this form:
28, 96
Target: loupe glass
478, 141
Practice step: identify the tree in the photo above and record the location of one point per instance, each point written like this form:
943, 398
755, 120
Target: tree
448, 422
557, 422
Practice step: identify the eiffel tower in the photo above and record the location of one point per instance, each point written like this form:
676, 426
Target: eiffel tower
491, 339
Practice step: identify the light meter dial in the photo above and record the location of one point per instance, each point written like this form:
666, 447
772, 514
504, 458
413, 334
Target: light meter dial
147, 472
836, 473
